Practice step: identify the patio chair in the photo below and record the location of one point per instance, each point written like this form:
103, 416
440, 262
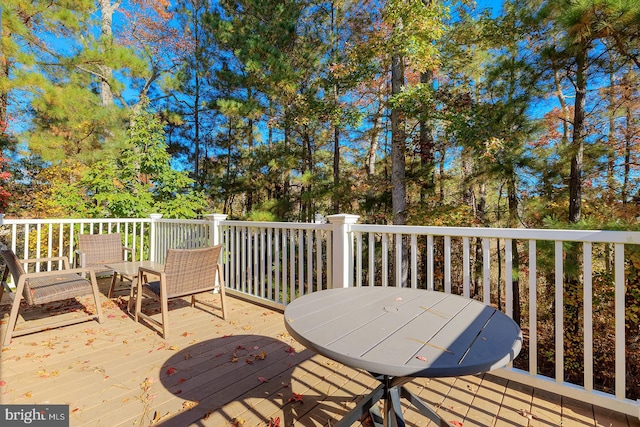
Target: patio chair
187, 272
44, 287
97, 250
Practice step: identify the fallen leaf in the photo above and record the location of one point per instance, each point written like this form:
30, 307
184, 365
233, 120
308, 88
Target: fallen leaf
189, 404
527, 414
174, 348
424, 359
274, 422
295, 398
237, 422
263, 380
261, 356
171, 371
3, 383
456, 423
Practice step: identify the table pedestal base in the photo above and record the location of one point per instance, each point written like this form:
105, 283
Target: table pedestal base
390, 391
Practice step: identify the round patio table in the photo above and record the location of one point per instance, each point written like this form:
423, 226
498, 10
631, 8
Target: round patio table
398, 334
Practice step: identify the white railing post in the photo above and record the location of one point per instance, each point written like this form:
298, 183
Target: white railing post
152, 236
214, 233
342, 248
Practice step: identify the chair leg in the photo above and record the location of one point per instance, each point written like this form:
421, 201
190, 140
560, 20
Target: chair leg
138, 298
13, 317
96, 296
113, 285
222, 293
165, 316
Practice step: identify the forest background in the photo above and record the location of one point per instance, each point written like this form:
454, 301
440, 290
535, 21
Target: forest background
417, 112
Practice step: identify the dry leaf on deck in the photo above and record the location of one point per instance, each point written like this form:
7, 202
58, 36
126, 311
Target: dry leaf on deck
189, 404
527, 414
295, 398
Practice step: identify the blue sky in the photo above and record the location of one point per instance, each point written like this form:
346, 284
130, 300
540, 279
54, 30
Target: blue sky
496, 5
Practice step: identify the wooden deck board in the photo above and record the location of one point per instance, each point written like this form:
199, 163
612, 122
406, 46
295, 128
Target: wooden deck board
245, 371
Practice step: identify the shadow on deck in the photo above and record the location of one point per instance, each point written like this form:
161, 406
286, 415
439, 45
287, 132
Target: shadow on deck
245, 371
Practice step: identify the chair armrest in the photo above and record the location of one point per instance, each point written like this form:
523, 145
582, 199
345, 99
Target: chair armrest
57, 272
64, 259
78, 259
126, 251
146, 270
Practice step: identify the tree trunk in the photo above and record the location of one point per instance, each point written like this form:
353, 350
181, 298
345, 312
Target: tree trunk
336, 161
4, 98
573, 284
398, 147
478, 259
612, 143
373, 144
251, 171
336, 130
512, 198
196, 102
427, 144
628, 147
106, 39
577, 143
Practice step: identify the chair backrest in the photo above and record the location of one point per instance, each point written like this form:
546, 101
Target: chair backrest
99, 249
15, 267
191, 271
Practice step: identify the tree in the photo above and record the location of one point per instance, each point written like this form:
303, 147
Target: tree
27, 30
415, 25
140, 179
193, 84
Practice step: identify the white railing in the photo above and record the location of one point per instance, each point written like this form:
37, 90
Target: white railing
274, 263
45, 238
277, 262
377, 259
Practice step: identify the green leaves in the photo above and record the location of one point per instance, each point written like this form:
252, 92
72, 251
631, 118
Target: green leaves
139, 179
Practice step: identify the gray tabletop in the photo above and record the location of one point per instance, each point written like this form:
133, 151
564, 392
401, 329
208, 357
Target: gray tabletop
130, 268
404, 332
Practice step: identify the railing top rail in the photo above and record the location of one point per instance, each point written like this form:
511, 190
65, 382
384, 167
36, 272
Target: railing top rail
279, 225
593, 236
184, 221
71, 221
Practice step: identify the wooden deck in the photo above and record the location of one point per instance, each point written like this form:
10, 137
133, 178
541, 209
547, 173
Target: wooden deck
245, 371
